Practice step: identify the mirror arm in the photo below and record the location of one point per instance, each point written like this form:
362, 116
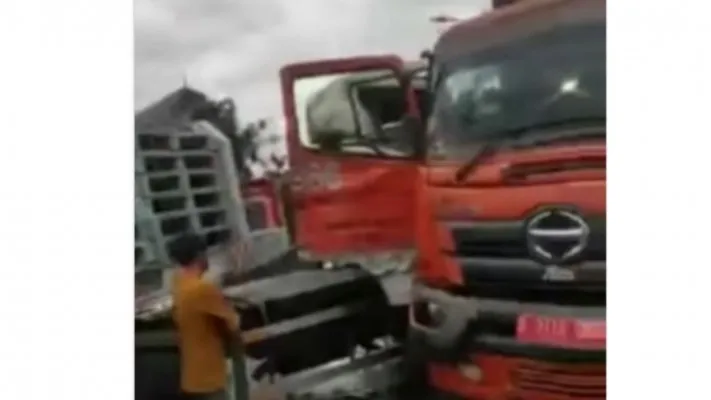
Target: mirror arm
413, 124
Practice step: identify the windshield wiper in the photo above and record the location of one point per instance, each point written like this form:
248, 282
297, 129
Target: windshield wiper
486, 149
503, 137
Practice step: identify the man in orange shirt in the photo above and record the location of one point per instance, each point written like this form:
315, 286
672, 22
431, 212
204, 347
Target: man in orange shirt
201, 316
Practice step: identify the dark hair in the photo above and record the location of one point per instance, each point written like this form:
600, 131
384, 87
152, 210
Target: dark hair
187, 249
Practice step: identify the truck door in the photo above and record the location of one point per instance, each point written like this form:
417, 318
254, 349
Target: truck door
353, 162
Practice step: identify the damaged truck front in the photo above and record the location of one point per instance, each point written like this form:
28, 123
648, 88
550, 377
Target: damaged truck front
500, 188
352, 169
510, 300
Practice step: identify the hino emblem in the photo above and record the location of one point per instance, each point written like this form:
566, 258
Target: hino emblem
557, 236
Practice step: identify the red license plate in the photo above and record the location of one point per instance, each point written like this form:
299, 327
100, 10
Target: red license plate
562, 332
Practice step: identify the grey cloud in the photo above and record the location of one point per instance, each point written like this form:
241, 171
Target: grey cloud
235, 48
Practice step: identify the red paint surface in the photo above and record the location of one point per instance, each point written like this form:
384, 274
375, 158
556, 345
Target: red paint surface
507, 378
486, 194
371, 207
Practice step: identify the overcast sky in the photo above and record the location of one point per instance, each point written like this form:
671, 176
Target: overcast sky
236, 47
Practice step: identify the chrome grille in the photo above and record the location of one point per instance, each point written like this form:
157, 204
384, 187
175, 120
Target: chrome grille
507, 239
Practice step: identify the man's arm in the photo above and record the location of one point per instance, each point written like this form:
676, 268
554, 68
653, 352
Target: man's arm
211, 301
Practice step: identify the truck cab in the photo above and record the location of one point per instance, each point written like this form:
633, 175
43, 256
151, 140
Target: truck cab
510, 293
501, 194
353, 164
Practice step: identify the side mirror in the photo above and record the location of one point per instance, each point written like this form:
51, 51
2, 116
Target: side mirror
414, 130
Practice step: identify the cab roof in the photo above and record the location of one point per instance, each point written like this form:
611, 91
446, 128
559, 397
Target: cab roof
516, 21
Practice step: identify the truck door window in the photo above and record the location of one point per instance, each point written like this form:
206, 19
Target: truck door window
357, 113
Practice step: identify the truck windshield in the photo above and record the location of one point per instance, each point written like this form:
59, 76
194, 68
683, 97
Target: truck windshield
555, 78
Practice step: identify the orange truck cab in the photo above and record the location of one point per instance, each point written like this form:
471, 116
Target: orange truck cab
496, 174
353, 167
510, 297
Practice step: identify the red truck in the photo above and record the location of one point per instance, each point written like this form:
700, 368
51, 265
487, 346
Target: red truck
351, 193
494, 170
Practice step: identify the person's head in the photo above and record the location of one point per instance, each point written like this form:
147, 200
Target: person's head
189, 251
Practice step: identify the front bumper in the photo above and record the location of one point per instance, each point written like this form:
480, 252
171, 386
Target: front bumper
519, 379
422, 348
472, 325
481, 333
